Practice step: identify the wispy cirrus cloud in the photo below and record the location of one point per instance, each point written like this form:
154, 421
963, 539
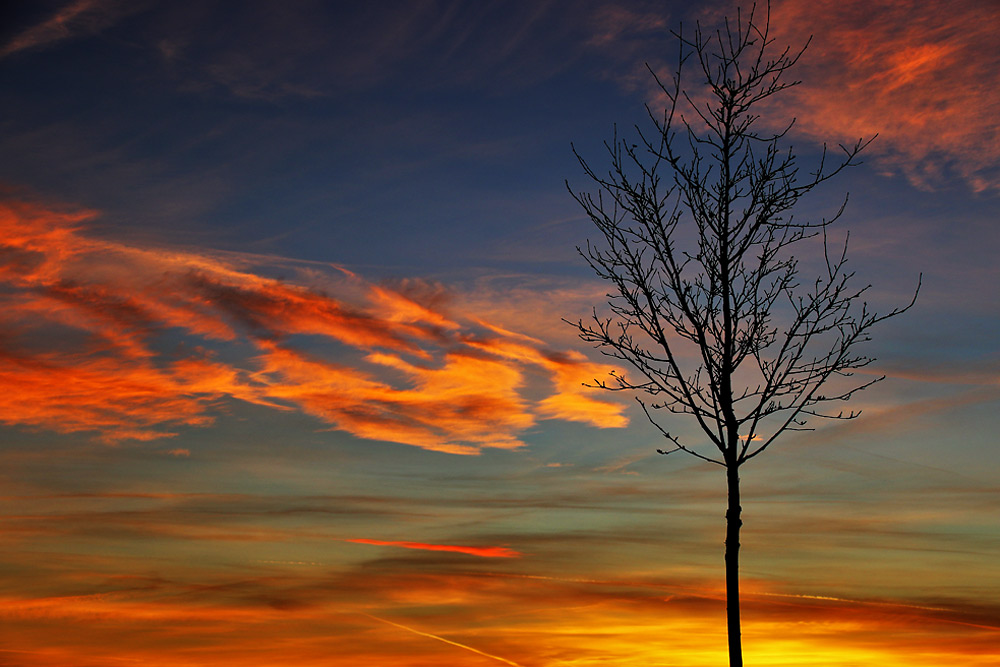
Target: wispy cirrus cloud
919, 74
135, 342
316, 49
81, 17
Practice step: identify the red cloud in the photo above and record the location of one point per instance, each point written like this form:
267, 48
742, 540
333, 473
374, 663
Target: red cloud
91, 328
482, 552
922, 75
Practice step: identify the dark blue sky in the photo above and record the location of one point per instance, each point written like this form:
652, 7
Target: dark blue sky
327, 132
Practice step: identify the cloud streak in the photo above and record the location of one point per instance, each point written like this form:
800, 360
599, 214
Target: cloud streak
446, 641
136, 342
76, 18
482, 552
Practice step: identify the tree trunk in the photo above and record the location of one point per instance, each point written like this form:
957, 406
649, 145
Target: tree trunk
733, 524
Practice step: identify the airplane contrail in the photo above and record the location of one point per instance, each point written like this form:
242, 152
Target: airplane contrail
442, 639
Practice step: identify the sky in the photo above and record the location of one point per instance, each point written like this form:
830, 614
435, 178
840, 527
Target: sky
285, 377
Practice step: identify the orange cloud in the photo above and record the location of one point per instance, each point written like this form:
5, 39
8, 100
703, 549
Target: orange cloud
570, 374
457, 408
127, 341
921, 75
114, 396
482, 552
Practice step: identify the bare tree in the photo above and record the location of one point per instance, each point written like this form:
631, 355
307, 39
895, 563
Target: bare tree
709, 309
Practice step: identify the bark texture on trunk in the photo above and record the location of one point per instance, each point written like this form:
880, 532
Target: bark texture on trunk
733, 524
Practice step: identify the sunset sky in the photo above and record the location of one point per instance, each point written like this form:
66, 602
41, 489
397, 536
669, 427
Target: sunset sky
284, 378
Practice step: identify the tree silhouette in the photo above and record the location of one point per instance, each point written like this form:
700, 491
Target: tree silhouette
709, 309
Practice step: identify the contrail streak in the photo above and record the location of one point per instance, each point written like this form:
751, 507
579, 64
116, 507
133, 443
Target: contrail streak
442, 639
871, 603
